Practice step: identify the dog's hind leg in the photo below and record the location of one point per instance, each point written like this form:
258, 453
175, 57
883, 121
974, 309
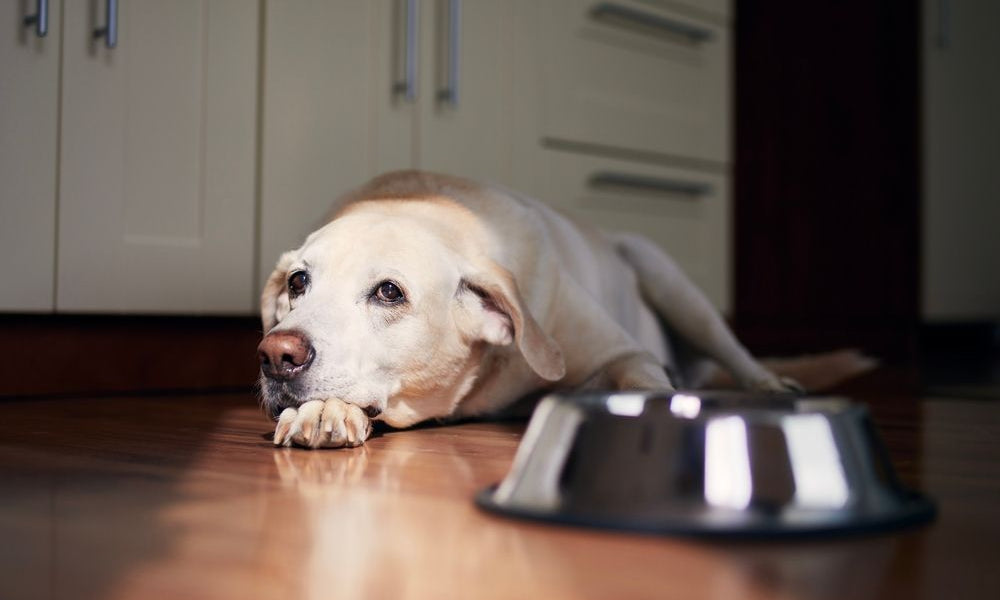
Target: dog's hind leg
689, 313
632, 371
598, 352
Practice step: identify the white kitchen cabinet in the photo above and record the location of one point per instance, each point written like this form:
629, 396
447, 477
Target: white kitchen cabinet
156, 172
450, 113
341, 105
128, 171
629, 75
621, 118
29, 117
686, 211
702, 9
468, 135
318, 88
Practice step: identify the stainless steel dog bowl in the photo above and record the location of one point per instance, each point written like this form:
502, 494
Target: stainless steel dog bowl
728, 464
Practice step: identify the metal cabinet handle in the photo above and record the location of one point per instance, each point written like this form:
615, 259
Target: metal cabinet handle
648, 22
40, 19
110, 30
449, 93
644, 183
408, 86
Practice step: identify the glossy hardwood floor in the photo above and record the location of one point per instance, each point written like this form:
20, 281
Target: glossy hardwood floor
184, 497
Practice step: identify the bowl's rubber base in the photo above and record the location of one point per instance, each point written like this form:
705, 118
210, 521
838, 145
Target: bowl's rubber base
914, 509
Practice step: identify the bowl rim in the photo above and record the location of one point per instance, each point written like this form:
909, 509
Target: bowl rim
752, 406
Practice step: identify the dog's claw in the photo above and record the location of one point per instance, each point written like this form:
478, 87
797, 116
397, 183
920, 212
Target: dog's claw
284, 426
791, 385
322, 424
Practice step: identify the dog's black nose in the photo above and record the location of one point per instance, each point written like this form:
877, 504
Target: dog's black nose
285, 354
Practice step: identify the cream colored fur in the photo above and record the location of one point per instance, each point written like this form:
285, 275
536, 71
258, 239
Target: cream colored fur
504, 297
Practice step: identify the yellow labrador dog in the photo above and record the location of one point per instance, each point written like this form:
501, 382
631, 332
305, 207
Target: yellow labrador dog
428, 296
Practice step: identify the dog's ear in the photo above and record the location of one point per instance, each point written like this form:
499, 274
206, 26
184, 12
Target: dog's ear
501, 317
274, 299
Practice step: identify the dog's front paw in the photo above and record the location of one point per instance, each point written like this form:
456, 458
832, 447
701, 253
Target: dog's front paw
323, 424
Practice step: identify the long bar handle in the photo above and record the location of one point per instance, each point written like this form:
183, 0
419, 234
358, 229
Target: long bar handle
40, 19
110, 30
408, 86
653, 23
645, 183
449, 93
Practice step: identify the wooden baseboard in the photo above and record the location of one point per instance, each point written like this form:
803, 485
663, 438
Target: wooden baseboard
45, 355
80, 355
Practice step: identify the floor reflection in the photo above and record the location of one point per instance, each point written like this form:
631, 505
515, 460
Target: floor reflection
87, 487
188, 500
386, 518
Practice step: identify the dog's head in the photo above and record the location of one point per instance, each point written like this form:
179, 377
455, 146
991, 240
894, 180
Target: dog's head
390, 307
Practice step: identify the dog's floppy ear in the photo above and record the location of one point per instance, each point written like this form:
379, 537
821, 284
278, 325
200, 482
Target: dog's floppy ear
274, 299
502, 318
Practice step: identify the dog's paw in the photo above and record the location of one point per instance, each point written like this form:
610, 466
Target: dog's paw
322, 424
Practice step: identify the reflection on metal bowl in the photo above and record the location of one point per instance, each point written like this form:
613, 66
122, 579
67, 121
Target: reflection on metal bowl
706, 463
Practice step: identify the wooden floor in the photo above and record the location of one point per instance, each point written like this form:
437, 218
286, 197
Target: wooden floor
184, 497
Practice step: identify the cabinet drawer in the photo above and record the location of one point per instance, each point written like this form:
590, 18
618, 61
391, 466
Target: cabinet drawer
631, 75
706, 8
685, 211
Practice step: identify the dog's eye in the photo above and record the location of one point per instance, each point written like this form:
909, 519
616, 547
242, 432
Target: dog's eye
297, 283
389, 293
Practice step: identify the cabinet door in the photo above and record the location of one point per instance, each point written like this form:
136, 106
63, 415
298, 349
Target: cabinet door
396, 43
635, 76
317, 109
157, 159
685, 211
29, 101
465, 100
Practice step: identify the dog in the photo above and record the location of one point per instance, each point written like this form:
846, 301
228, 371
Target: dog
427, 296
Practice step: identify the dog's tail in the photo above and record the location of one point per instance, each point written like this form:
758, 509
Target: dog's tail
814, 372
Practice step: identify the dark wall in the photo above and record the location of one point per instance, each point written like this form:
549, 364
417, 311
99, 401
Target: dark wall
827, 192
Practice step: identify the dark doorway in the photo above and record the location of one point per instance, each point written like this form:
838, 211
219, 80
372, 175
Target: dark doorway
827, 198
